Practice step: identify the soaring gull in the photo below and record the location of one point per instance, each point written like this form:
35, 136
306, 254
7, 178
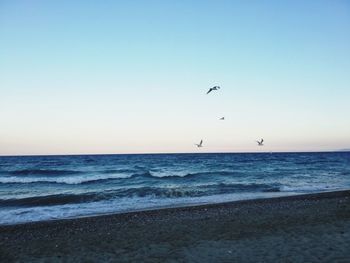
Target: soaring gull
200, 144
213, 88
260, 143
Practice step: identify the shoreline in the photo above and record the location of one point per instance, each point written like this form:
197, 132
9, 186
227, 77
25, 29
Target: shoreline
175, 206
190, 206
314, 227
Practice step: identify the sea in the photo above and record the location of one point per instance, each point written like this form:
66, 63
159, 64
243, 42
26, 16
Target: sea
37, 188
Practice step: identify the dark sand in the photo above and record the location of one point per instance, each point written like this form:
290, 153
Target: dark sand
309, 228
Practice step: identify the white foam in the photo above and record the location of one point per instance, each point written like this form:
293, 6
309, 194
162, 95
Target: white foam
23, 215
62, 180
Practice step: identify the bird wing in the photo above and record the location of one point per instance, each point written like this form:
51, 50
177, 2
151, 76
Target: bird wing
210, 90
201, 142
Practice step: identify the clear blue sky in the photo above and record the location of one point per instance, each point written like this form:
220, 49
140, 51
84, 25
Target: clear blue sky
131, 76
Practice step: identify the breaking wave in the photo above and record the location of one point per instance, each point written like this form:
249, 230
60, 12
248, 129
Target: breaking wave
164, 192
95, 178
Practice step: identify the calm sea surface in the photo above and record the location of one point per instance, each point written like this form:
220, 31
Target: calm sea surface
52, 187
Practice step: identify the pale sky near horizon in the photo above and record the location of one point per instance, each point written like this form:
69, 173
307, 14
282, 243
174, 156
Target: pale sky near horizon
131, 76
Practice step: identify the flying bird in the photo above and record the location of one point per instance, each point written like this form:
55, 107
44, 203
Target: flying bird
213, 88
260, 143
222, 118
200, 144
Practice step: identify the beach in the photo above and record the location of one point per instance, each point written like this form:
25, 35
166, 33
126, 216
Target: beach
305, 228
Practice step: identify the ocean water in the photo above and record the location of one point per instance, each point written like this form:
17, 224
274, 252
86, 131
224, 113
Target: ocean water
35, 188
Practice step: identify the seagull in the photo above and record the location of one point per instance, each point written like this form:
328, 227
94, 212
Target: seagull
200, 144
213, 88
222, 118
261, 142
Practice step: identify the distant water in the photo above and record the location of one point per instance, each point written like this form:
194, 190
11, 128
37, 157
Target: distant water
52, 187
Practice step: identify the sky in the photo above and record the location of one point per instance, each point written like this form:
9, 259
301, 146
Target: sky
89, 77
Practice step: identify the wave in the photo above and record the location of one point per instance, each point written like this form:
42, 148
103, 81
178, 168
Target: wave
110, 176
145, 191
113, 171
310, 188
41, 172
74, 180
58, 199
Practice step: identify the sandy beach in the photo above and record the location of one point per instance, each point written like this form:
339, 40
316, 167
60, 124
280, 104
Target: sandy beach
307, 228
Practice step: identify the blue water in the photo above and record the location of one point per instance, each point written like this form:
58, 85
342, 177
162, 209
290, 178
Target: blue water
35, 188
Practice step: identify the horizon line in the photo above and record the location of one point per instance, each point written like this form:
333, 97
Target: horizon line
164, 153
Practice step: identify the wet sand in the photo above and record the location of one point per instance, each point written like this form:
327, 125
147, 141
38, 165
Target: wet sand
308, 228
